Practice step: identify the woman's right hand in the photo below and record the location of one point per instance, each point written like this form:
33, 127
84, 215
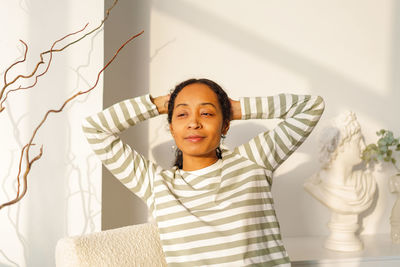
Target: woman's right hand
161, 103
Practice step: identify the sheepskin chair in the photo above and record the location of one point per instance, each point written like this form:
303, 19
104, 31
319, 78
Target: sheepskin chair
135, 245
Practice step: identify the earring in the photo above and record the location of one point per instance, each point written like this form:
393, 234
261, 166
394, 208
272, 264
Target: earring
219, 153
223, 138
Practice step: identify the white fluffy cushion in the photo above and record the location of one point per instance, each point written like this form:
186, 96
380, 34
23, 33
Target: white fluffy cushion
136, 245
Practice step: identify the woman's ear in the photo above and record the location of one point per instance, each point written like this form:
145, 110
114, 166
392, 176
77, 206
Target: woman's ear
225, 128
171, 129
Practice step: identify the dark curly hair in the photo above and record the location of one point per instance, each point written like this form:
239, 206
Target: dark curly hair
223, 101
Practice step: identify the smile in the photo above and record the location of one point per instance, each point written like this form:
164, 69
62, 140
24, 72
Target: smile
194, 138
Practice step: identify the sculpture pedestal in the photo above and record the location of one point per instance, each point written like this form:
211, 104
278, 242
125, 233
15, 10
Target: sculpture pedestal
342, 233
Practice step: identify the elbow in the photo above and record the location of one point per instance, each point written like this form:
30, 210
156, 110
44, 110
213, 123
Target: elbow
320, 103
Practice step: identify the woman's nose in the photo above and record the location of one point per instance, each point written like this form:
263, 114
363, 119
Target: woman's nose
194, 123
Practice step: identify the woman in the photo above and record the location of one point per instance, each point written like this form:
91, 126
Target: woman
214, 207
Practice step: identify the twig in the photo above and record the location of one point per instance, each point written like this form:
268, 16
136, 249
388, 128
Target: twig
19, 167
19, 61
52, 50
92, 31
37, 66
27, 146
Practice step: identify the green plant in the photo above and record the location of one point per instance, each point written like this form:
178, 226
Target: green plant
386, 149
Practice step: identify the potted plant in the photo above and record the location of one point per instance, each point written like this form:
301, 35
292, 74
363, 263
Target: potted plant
387, 149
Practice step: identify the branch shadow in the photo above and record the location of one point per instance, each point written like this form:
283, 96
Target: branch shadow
15, 222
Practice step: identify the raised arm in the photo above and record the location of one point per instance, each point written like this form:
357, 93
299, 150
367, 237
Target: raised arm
300, 114
101, 131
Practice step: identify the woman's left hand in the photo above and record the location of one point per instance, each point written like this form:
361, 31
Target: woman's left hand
236, 112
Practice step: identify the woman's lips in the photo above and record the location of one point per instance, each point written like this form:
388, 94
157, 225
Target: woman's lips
194, 138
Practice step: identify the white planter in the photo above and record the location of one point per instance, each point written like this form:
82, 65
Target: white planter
394, 186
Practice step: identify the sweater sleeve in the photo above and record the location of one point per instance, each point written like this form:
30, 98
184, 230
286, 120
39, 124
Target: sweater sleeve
101, 131
300, 114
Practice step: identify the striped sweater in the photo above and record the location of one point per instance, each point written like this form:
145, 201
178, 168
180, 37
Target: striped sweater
221, 215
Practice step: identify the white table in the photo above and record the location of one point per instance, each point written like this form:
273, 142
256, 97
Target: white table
309, 251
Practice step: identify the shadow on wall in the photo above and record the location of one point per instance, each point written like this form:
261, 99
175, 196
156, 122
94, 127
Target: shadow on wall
129, 78
324, 81
87, 189
43, 212
394, 57
45, 198
334, 86
14, 219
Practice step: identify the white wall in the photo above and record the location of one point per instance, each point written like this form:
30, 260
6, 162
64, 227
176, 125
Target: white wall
345, 51
64, 186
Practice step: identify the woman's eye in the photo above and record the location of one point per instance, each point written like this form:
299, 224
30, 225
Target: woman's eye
207, 114
181, 115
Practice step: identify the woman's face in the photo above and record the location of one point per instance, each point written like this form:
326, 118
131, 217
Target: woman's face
197, 121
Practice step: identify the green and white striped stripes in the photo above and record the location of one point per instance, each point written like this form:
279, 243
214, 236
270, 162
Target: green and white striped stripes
222, 215
271, 148
101, 131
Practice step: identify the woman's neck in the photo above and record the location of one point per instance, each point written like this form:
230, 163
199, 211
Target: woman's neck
197, 163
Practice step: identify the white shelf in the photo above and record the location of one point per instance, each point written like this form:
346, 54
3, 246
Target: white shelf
309, 251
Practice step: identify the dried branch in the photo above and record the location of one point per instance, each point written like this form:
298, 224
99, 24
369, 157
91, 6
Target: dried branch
51, 51
89, 33
36, 68
25, 150
16, 63
19, 167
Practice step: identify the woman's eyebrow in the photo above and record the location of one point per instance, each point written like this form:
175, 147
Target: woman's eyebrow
202, 104
181, 105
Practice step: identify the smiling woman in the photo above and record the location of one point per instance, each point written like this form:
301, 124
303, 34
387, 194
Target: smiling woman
199, 114
214, 207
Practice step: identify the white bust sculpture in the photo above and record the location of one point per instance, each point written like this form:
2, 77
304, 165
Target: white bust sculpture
345, 191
